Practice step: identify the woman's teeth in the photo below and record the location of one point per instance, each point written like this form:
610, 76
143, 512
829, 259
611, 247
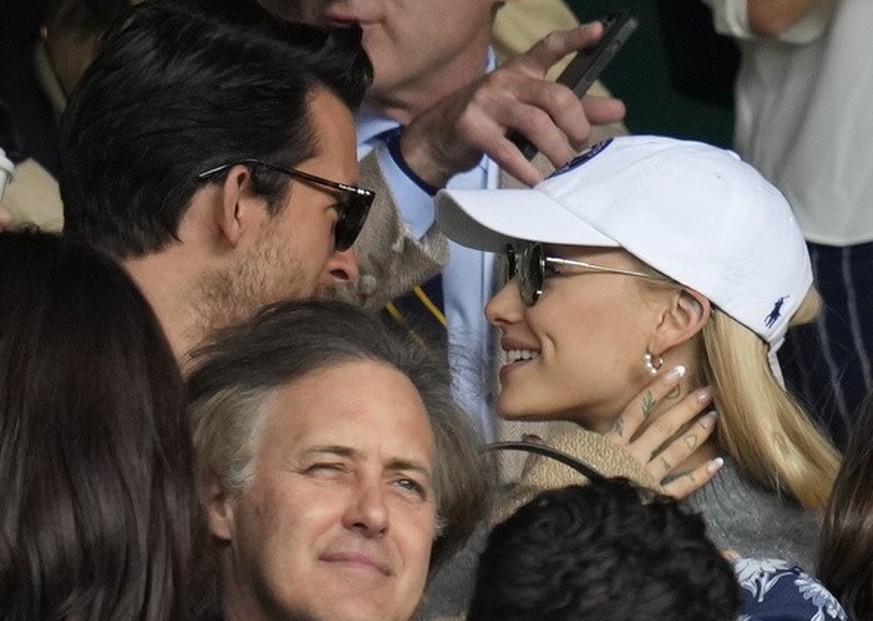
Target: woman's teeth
515, 355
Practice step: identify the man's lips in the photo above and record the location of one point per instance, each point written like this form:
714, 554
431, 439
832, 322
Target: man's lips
358, 559
340, 19
333, 23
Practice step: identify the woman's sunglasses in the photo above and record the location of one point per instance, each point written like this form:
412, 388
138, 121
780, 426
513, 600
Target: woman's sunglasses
530, 267
353, 203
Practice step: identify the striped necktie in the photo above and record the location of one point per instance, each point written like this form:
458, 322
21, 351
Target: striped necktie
421, 311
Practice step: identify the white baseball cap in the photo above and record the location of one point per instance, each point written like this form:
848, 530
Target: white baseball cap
692, 211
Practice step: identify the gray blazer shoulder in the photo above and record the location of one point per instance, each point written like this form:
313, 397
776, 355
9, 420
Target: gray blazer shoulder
390, 258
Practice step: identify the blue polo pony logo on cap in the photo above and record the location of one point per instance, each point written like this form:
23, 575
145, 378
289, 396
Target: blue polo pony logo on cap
771, 319
583, 157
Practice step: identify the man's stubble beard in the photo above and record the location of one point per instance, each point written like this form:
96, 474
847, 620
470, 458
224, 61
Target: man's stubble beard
228, 296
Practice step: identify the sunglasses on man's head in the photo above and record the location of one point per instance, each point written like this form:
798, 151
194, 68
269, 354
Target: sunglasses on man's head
353, 204
530, 267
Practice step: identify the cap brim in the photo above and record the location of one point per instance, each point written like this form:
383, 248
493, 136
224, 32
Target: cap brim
490, 219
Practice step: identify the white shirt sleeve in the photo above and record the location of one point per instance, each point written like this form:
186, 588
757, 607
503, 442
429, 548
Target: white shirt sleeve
731, 17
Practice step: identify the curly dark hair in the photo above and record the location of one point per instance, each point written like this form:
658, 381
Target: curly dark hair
602, 552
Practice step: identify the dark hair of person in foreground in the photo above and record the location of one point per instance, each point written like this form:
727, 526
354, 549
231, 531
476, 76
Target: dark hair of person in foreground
602, 553
845, 564
95, 450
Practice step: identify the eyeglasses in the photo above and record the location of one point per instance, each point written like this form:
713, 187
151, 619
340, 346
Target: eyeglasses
353, 206
530, 266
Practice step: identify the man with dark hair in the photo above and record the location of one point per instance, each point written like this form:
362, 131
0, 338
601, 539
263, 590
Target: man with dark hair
601, 552
210, 148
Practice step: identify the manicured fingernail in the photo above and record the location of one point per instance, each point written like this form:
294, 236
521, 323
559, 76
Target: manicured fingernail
704, 394
674, 373
714, 465
707, 421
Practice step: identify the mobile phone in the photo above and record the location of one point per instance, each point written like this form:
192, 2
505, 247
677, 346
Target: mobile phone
589, 62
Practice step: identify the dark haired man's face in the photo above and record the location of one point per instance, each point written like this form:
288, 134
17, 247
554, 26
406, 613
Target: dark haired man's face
292, 255
301, 234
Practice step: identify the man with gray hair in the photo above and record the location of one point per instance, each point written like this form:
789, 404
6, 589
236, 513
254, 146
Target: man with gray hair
334, 468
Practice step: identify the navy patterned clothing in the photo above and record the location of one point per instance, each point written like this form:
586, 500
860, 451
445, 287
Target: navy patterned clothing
775, 590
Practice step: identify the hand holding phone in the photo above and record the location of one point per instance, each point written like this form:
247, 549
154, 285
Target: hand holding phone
588, 64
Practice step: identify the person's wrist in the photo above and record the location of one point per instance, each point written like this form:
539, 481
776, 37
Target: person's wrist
417, 170
417, 155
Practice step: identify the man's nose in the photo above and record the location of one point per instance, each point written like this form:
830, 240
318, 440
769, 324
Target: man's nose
367, 512
342, 267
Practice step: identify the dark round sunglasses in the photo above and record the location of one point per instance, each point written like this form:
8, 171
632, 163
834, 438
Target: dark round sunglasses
353, 203
530, 267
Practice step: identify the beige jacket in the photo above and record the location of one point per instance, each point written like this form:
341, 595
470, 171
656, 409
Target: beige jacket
33, 195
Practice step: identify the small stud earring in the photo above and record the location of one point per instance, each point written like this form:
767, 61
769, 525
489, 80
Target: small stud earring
652, 366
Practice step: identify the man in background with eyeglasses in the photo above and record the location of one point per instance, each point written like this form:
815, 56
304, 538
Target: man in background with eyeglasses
211, 149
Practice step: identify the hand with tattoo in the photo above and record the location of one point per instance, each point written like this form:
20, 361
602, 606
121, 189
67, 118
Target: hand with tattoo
666, 443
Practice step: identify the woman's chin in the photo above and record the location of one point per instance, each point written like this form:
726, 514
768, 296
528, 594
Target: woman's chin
512, 409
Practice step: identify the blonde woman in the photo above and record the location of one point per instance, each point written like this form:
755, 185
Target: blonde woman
652, 256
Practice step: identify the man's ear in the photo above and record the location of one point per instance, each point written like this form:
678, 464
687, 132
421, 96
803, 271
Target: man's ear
684, 316
241, 208
218, 507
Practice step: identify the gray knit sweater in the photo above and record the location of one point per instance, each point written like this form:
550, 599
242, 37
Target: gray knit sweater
756, 522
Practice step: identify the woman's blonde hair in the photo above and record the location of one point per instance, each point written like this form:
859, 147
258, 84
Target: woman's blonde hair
760, 424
